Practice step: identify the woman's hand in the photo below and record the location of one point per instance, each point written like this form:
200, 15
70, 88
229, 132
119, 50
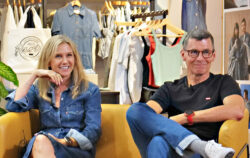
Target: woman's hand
62, 141
50, 74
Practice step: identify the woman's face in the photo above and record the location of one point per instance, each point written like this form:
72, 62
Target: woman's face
236, 32
64, 61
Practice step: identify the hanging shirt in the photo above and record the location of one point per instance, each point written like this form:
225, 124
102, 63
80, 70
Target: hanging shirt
145, 64
151, 81
193, 14
107, 26
121, 74
135, 68
166, 61
30, 22
111, 81
79, 28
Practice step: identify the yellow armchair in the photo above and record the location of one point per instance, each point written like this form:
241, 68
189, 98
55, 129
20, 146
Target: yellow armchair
234, 134
116, 141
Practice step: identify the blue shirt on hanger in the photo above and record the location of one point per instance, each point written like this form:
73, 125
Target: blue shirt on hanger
194, 14
81, 28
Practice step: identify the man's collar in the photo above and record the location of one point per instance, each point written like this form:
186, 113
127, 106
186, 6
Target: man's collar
70, 9
189, 85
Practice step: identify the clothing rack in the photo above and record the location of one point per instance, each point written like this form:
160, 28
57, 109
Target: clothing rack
163, 13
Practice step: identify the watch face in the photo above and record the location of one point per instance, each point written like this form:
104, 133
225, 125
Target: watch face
189, 112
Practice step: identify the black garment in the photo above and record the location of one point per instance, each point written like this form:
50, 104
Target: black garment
145, 64
176, 97
29, 22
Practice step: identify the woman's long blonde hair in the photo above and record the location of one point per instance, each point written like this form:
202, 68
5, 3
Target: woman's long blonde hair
78, 76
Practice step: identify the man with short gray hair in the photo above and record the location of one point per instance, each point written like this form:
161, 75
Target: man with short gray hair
197, 105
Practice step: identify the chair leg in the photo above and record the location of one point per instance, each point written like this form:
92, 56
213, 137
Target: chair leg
247, 151
242, 149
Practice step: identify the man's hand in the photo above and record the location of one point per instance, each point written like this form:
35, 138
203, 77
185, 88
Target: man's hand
181, 119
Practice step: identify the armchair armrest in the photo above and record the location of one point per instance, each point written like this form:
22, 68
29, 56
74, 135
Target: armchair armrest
234, 134
15, 133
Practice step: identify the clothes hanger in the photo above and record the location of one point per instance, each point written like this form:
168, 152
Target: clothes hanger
155, 24
124, 3
14, 3
76, 3
111, 6
125, 23
160, 23
106, 10
19, 3
32, 2
116, 3
157, 35
138, 23
24, 3
133, 3
171, 27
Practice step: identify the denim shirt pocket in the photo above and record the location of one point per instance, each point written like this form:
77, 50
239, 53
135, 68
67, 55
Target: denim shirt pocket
47, 115
45, 108
75, 112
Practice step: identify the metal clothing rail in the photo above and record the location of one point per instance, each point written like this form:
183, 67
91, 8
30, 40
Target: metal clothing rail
162, 13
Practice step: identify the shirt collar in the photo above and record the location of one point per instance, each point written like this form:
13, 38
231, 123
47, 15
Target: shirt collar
70, 9
211, 75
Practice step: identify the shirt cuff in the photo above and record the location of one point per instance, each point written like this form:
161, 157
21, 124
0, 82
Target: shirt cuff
23, 102
83, 141
11, 95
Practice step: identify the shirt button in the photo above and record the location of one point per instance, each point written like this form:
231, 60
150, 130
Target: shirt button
196, 14
196, 27
62, 99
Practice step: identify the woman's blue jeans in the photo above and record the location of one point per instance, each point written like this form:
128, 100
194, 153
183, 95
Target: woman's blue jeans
156, 135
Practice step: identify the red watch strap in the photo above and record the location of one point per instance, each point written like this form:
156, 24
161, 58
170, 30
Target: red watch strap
190, 119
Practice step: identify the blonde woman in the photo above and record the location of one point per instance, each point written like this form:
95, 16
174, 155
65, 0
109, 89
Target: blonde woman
69, 105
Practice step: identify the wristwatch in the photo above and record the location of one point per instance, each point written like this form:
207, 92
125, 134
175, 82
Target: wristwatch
189, 114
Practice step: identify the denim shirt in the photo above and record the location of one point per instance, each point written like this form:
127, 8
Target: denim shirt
193, 14
79, 118
79, 28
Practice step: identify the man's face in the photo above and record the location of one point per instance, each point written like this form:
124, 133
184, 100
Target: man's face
243, 27
198, 65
